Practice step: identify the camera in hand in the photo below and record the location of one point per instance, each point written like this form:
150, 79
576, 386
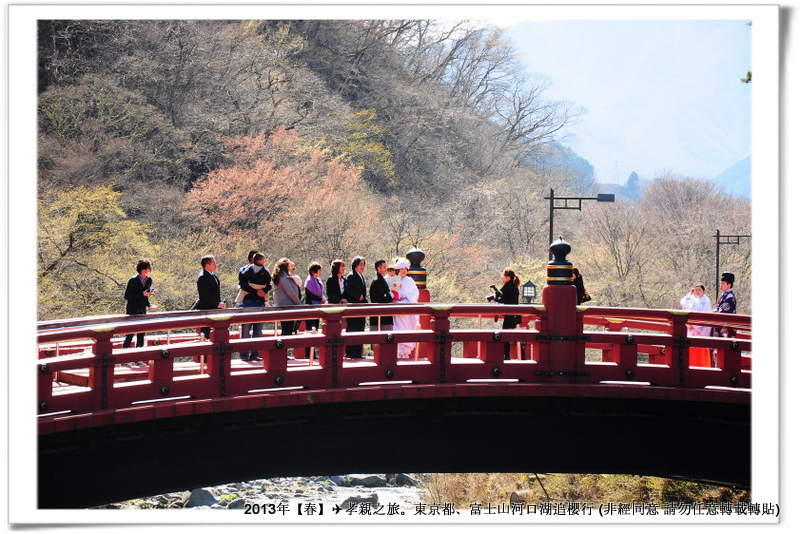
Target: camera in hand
491, 298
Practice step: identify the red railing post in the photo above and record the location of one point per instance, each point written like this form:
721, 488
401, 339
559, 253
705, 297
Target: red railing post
276, 358
44, 384
162, 369
613, 354
385, 354
331, 356
538, 351
580, 345
559, 296
443, 345
626, 356
679, 360
730, 361
219, 364
101, 374
524, 349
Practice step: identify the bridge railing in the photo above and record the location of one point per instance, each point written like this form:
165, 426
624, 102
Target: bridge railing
655, 350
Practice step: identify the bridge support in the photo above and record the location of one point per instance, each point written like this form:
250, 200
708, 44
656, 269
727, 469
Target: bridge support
562, 328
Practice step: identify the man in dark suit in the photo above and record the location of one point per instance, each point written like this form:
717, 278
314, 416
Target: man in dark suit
208, 290
355, 292
137, 291
379, 293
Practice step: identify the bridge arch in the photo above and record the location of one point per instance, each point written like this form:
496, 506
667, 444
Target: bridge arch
563, 428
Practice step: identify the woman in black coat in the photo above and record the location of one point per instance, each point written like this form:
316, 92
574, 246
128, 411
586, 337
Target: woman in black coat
509, 294
335, 284
577, 281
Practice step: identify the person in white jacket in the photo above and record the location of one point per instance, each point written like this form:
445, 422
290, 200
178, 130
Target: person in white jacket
407, 293
696, 300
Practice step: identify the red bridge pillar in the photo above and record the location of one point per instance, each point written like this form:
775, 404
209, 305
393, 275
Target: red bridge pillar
331, 355
560, 298
101, 375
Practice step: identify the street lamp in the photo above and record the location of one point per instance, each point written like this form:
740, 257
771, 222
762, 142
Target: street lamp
602, 197
728, 241
529, 291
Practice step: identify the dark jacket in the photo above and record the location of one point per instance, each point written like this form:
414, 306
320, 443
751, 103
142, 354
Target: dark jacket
725, 304
134, 295
208, 292
379, 292
250, 276
509, 294
332, 289
582, 295
355, 288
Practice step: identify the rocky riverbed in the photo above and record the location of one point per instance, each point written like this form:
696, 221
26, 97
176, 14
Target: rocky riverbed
394, 493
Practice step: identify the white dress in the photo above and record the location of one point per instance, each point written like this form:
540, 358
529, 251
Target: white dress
407, 292
691, 303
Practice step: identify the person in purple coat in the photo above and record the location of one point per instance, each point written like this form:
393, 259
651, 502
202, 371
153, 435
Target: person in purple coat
314, 295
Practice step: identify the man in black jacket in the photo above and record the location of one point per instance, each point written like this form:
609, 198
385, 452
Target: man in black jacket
242, 281
208, 290
379, 293
137, 291
355, 292
255, 282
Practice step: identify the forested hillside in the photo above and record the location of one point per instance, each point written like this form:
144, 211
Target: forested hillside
319, 140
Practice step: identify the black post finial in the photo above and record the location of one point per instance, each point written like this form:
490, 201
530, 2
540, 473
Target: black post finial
559, 269
417, 272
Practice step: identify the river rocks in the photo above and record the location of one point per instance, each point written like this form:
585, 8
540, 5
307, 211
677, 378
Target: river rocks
402, 479
375, 481
356, 501
344, 490
369, 481
522, 496
198, 497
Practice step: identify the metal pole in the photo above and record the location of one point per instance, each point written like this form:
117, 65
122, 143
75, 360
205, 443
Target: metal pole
552, 196
716, 280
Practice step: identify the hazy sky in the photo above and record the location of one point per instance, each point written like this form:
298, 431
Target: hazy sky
659, 94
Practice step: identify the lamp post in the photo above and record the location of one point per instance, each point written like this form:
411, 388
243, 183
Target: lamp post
602, 197
529, 291
728, 241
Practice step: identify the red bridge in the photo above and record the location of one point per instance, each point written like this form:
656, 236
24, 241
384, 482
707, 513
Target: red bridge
587, 389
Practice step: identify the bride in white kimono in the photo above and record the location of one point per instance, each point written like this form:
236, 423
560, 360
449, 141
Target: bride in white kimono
407, 292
